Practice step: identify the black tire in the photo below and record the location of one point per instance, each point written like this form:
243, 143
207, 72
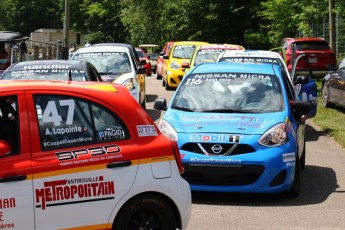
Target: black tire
325, 97
163, 82
158, 77
167, 87
296, 184
302, 160
146, 212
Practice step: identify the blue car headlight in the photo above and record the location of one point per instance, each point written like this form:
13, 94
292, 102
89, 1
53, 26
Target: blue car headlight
277, 135
167, 130
175, 65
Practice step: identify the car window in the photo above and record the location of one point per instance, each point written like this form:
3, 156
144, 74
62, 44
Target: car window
9, 122
68, 121
229, 92
45, 74
310, 45
107, 62
342, 64
183, 51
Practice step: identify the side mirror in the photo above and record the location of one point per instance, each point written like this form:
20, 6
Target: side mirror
299, 108
141, 70
166, 57
160, 104
185, 64
301, 79
5, 148
161, 54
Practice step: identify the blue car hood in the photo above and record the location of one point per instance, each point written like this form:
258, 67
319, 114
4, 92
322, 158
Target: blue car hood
241, 123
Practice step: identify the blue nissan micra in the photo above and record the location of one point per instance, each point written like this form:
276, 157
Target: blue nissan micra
238, 128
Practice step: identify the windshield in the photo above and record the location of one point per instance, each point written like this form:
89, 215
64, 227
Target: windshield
46, 74
183, 51
107, 62
208, 55
228, 93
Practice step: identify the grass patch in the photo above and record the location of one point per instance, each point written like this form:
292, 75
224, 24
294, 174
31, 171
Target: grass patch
331, 120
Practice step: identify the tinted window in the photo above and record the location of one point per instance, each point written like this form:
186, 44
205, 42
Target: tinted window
9, 122
67, 122
312, 45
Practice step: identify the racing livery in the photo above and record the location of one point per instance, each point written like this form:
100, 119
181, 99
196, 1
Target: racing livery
85, 155
242, 133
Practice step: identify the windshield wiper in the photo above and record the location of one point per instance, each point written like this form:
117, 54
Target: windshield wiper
182, 108
226, 111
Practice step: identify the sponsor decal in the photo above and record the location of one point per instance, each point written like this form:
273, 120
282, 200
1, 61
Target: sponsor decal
116, 134
287, 157
216, 138
214, 160
6, 203
195, 79
251, 59
89, 155
72, 191
147, 130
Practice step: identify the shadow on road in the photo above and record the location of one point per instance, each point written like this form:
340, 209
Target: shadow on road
317, 184
313, 134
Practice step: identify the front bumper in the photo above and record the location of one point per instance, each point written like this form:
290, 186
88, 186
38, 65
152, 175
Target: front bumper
263, 171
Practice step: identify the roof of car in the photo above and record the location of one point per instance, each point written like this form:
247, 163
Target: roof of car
304, 39
250, 53
189, 42
8, 85
221, 46
102, 48
50, 64
231, 67
13, 37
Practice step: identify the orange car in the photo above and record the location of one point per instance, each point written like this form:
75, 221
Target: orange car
85, 155
161, 61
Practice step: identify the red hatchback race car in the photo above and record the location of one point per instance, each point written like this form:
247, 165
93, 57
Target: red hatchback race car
85, 155
321, 57
143, 56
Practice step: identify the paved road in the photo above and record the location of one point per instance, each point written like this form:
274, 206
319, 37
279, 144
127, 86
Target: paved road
321, 204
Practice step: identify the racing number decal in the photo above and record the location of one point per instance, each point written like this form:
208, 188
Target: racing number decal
51, 113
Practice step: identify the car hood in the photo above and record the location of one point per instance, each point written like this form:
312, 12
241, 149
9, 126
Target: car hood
117, 78
240, 123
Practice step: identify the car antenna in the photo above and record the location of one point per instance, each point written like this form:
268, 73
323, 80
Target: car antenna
69, 75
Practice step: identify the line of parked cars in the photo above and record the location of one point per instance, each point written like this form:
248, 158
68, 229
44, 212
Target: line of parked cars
236, 123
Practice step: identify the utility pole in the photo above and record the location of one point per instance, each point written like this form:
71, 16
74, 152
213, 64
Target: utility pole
332, 25
66, 26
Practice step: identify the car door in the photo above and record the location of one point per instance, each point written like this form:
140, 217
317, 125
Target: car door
84, 160
16, 191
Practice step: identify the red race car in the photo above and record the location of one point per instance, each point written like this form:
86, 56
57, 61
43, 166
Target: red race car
85, 155
143, 56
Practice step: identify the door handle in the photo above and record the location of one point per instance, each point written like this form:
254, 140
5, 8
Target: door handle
13, 178
119, 164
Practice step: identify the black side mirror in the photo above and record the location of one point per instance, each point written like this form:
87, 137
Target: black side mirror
141, 70
165, 57
301, 79
299, 108
160, 104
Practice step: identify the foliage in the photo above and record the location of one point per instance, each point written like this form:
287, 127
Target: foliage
328, 119
254, 24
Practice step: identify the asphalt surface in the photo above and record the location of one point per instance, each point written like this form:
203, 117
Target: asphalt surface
321, 204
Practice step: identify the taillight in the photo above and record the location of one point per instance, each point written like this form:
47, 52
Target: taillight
177, 156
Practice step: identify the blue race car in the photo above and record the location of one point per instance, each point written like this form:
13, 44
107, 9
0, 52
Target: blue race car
238, 128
